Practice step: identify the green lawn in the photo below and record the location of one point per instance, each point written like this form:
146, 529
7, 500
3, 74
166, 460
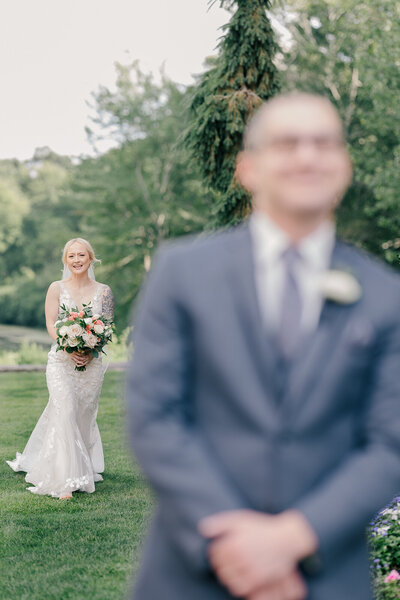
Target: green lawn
87, 547
84, 548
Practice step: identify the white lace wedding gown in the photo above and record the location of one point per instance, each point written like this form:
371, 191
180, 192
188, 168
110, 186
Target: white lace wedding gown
64, 452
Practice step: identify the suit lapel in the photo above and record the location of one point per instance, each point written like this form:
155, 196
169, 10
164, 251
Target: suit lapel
242, 280
315, 350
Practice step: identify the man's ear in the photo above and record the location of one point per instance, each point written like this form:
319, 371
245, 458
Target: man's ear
347, 182
351, 169
244, 171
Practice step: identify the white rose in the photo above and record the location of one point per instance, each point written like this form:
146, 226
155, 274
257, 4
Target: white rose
90, 339
96, 317
63, 331
75, 330
73, 342
340, 286
88, 321
98, 328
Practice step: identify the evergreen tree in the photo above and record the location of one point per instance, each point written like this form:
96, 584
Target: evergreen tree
241, 77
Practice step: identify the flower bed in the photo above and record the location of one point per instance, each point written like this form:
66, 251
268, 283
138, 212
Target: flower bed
385, 549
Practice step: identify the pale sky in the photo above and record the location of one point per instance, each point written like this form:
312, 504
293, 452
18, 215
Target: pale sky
54, 53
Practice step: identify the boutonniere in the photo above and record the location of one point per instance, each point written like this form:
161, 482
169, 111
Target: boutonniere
340, 286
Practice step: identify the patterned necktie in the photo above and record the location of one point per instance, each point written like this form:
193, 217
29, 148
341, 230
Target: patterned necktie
291, 305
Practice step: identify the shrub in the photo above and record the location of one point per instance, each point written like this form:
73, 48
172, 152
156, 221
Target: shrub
385, 550
31, 354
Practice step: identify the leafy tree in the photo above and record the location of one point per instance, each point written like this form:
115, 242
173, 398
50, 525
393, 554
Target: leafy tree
125, 201
13, 207
31, 258
241, 77
146, 188
348, 50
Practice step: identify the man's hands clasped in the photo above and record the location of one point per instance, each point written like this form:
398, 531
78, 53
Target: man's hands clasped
256, 555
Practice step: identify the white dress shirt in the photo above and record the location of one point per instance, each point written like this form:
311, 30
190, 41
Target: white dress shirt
315, 250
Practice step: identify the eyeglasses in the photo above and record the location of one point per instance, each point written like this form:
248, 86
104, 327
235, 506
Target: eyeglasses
325, 143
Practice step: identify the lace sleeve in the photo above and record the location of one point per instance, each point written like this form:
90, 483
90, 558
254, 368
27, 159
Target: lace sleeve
108, 303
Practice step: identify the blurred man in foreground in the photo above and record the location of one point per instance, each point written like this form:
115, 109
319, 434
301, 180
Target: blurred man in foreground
264, 392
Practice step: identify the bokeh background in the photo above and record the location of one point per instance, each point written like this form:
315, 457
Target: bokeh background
120, 122
101, 136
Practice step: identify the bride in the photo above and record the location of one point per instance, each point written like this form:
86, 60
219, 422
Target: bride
64, 453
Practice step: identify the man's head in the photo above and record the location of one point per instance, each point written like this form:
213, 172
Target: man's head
295, 160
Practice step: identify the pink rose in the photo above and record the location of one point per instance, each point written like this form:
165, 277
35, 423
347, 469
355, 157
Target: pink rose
393, 576
81, 314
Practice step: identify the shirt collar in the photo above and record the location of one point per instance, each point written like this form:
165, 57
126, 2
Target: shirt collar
270, 240
317, 247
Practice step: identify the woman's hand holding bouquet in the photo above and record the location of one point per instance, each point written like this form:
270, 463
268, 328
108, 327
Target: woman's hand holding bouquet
80, 332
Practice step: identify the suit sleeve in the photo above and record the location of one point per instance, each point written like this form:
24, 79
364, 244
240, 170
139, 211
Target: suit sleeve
166, 440
341, 507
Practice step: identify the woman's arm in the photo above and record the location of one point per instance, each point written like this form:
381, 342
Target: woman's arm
51, 308
108, 303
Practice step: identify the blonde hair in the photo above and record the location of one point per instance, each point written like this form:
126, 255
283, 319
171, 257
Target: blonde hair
85, 243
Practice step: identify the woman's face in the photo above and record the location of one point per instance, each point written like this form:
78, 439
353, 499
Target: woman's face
77, 259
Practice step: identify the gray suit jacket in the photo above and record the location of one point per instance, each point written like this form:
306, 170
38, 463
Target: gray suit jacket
216, 427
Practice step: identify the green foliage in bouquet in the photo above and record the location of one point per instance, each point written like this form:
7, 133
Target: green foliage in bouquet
241, 77
385, 550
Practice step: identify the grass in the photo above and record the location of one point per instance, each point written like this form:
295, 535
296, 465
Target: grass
84, 548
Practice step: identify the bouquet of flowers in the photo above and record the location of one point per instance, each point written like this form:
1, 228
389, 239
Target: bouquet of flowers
82, 331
